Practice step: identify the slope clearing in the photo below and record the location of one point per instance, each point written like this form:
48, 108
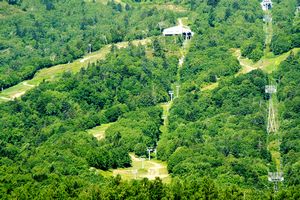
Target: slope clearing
99, 131
267, 63
55, 72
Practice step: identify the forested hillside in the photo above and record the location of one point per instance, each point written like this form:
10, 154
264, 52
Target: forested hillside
36, 34
221, 133
211, 133
52, 116
286, 30
288, 81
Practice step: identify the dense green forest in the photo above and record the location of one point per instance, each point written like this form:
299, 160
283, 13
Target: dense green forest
288, 79
286, 30
223, 130
35, 34
54, 115
230, 24
214, 141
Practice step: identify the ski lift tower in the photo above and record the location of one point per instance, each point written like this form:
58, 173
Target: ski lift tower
272, 126
266, 5
270, 89
90, 48
150, 149
275, 177
171, 93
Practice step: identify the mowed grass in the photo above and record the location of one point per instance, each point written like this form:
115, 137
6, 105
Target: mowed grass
270, 62
210, 86
53, 73
144, 169
139, 170
165, 107
141, 167
99, 131
15, 91
165, 6
267, 63
103, 2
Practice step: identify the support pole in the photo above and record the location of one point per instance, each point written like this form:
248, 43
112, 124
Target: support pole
149, 151
171, 95
90, 48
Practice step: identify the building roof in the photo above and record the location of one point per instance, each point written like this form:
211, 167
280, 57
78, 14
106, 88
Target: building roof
177, 30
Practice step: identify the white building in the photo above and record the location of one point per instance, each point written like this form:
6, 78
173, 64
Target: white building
266, 4
179, 30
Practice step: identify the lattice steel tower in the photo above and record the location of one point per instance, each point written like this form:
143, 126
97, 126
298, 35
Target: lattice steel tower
272, 126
